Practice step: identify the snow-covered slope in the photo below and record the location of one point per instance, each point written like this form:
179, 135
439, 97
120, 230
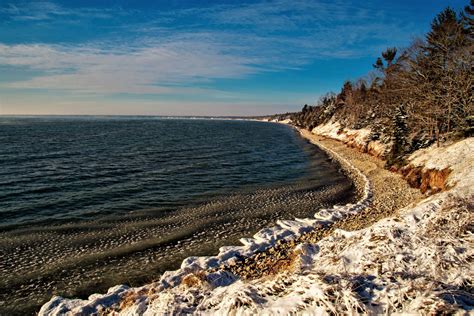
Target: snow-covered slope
358, 138
400, 265
458, 158
418, 261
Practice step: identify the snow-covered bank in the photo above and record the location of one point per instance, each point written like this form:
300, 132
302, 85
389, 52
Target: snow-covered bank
427, 169
400, 264
358, 138
430, 169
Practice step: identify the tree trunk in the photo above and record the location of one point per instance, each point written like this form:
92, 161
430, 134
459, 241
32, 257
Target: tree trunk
449, 120
437, 135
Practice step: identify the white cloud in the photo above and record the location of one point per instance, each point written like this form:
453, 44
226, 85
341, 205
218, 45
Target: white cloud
271, 36
155, 68
44, 10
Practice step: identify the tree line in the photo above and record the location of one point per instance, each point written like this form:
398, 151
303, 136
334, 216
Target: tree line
413, 97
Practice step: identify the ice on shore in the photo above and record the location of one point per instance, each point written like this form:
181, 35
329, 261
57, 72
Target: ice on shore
418, 261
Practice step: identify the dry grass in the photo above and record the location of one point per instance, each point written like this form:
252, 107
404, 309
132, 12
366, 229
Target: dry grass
130, 298
196, 279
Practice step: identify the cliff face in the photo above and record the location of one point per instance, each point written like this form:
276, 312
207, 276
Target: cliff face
430, 169
428, 181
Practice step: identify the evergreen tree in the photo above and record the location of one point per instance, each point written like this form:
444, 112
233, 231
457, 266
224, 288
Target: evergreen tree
400, 134
346, 92
389, 55
305, 109
447, 62
468, 20
378, 64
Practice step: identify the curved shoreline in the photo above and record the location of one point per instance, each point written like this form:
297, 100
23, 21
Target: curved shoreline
363, 170
390, 192
360, 180
136, 252
400, 264
283, 233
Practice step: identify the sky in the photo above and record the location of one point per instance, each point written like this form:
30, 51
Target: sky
182, 57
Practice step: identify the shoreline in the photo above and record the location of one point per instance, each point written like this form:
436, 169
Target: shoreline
286, 252
390, 191
286, 231
82, 259
369, 177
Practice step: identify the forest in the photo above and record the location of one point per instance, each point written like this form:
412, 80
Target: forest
415, 96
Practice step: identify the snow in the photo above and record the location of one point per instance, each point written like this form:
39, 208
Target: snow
334, 130
399, 265
459, 157
359, 137
418, 261
286, 121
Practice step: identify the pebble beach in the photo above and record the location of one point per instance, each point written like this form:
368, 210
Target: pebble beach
390, 193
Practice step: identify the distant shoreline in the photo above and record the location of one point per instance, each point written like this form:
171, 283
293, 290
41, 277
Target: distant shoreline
231, 117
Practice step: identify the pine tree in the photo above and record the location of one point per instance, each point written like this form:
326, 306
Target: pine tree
468, 20
346, 92
447, 35
305, 109
447, 62
378, 64
400, 135
389, 55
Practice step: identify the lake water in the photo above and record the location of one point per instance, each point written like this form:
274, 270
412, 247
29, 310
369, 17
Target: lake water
89, 202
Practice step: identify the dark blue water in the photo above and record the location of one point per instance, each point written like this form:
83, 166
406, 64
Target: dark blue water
75, 168
88, 203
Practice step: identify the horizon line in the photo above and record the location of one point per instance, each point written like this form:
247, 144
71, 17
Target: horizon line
133, 115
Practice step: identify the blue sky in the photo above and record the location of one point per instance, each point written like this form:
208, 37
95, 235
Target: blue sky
173, 57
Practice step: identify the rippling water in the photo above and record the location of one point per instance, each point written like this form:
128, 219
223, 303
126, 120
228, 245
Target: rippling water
68, 169
86, 203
